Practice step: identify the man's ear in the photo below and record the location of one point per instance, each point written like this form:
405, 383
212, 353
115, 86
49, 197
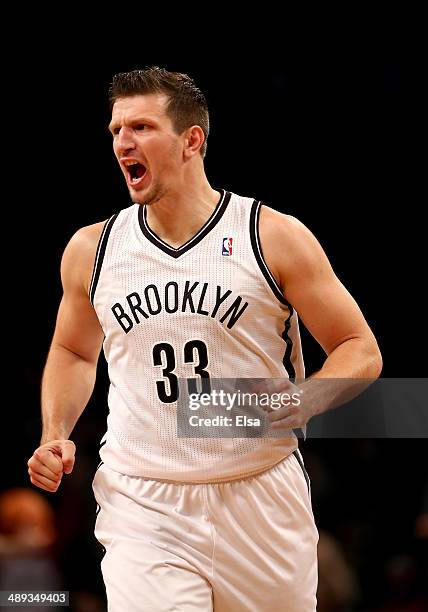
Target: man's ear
193, 140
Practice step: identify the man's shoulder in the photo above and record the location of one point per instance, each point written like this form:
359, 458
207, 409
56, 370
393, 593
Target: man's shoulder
280, 227
288, 245
89, 235
79, 254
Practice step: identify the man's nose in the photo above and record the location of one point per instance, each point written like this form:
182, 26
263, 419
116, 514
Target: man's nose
124, 141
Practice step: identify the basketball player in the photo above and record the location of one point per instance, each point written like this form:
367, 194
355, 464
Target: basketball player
195, 283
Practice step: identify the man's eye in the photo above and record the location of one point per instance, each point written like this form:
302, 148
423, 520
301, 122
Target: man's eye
140, 126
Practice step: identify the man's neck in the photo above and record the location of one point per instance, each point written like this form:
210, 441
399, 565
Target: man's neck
181, 213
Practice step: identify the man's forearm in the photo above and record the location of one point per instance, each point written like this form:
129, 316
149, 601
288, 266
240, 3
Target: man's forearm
67, 385
355, 358
346, 373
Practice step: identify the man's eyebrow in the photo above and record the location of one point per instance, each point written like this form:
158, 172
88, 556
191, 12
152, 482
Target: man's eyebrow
138, 119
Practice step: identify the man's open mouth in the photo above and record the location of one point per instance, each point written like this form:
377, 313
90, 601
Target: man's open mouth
136, 171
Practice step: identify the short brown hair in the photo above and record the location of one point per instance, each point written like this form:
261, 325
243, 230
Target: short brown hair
186, 106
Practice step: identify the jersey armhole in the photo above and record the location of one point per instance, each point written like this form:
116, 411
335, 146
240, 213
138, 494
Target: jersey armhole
101, 249
274, 286
257, 250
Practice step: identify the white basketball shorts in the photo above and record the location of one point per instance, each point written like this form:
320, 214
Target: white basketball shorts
241, 546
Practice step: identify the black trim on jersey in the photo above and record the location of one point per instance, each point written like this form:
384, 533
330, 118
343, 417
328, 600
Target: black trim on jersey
205, 229
98, 467
296, 453
276, 289
102, 548
101, 462
286, 360
257, 249
102, 244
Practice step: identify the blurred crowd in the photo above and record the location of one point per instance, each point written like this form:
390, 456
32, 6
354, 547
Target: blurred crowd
370, 500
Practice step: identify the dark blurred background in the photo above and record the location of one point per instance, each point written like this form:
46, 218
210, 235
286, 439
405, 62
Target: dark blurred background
320, 113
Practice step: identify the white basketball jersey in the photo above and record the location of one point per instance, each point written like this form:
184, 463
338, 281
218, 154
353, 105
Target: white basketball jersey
210, 308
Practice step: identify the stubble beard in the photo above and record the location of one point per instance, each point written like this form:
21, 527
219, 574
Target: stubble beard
155, 193
158, 190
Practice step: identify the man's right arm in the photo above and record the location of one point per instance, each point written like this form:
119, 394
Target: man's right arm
70, 371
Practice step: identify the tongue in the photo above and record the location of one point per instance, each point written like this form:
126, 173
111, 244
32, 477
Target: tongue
140, 171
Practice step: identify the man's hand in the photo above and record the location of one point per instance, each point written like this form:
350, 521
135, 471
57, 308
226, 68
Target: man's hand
311, 397
49, 462
293, 415
286, 410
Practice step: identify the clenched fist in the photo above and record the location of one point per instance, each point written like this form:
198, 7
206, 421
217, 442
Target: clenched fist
49, 462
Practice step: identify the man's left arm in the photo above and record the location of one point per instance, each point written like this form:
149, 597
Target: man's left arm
328, 311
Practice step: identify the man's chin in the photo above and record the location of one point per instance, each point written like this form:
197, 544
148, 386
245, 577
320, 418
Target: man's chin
139, 196
147, 196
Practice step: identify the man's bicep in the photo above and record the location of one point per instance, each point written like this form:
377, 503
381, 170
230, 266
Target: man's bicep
328, 311
325, 306
77, 327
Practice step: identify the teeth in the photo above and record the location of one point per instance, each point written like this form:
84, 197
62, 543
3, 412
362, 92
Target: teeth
130, 163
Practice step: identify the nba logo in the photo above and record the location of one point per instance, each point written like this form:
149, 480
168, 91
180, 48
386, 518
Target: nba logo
226, 249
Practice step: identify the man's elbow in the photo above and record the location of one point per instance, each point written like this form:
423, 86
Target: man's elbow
374, 361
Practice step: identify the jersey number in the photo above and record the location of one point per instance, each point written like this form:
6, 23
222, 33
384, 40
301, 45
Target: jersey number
164, 352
